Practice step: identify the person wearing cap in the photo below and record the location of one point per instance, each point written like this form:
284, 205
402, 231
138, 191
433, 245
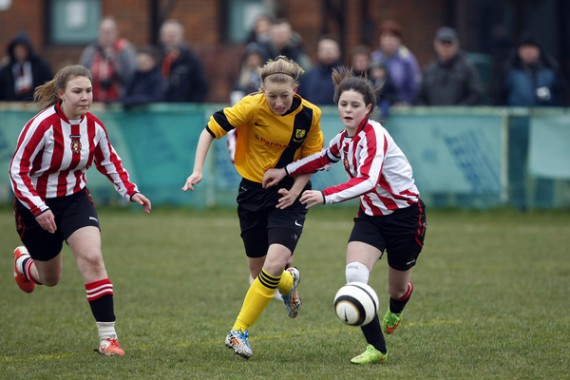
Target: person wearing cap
400, 62
450, 79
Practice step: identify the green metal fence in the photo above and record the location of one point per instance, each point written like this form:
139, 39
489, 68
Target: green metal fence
475, 157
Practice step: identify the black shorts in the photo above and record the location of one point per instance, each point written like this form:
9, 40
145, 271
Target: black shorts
262, 224
401, 234
71, 213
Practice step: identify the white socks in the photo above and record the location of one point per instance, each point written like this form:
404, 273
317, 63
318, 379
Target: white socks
106, 330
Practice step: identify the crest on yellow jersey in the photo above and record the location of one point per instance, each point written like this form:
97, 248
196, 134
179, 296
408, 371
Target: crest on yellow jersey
299, 135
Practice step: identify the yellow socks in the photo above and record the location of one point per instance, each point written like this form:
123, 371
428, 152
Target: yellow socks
286, 283
257, 298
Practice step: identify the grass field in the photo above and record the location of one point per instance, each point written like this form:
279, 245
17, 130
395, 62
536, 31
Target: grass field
490, 302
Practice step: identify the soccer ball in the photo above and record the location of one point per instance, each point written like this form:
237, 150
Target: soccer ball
356, 304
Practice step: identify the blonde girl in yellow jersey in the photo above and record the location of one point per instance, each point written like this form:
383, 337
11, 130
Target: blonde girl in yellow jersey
274, 128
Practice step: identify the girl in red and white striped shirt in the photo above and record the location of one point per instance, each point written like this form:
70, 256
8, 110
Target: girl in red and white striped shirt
391, 216
52, 204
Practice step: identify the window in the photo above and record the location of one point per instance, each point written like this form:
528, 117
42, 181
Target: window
241, 14
73, 21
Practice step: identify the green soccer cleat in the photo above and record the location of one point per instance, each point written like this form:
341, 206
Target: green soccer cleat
370, 356
391, 321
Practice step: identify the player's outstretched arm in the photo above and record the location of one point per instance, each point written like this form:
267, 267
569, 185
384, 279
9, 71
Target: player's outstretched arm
204, 143
143, 201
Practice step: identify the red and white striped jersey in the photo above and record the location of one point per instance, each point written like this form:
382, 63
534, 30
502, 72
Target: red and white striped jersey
379, 172
53, 154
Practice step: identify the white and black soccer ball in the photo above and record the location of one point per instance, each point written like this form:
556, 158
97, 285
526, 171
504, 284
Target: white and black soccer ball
356, 304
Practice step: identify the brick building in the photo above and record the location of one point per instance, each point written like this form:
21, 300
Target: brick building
209, 29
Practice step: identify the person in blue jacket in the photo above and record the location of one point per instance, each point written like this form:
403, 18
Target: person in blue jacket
316, 84
532, 77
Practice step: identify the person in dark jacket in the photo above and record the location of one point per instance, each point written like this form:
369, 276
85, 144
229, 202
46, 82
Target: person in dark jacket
181, 67
316, 84
451, 79
283, 40
23, 71
147, 85
532, 77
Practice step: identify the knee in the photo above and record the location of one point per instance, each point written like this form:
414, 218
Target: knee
51, 280
92, 260
357, 272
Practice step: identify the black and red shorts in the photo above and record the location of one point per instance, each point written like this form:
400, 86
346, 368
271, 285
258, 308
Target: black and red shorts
71, 213
401, 234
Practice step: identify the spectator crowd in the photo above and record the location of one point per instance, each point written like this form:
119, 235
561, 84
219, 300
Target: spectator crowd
173, 72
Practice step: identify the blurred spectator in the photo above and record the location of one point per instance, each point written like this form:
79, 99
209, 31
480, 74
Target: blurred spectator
531, 77
385, 89
260, 31
184, 73
316, 84
112, 62
401, 63
23, 71
147, 85
360, 60
248, 80
450, 79
284, 41
377, 73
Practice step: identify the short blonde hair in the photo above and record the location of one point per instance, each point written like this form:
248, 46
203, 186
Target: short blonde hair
281, 69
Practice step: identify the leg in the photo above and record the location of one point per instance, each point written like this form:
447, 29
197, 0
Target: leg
359, 252
400, 288
255, 265
48, 272
29, 272
85, 243
257, 298
38, 261
398, 282
360, 260
263, 287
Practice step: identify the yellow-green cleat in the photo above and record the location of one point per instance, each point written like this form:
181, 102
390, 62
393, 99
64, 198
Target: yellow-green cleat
391, 321
370, 356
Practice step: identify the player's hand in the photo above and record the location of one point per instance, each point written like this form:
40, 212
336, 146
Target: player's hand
46, 220
272, 177
312, 198
287, 199
194, 178
143, 201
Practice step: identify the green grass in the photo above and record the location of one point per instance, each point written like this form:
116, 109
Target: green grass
490, 302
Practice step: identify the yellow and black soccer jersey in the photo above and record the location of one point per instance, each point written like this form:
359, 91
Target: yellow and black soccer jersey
266, 140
